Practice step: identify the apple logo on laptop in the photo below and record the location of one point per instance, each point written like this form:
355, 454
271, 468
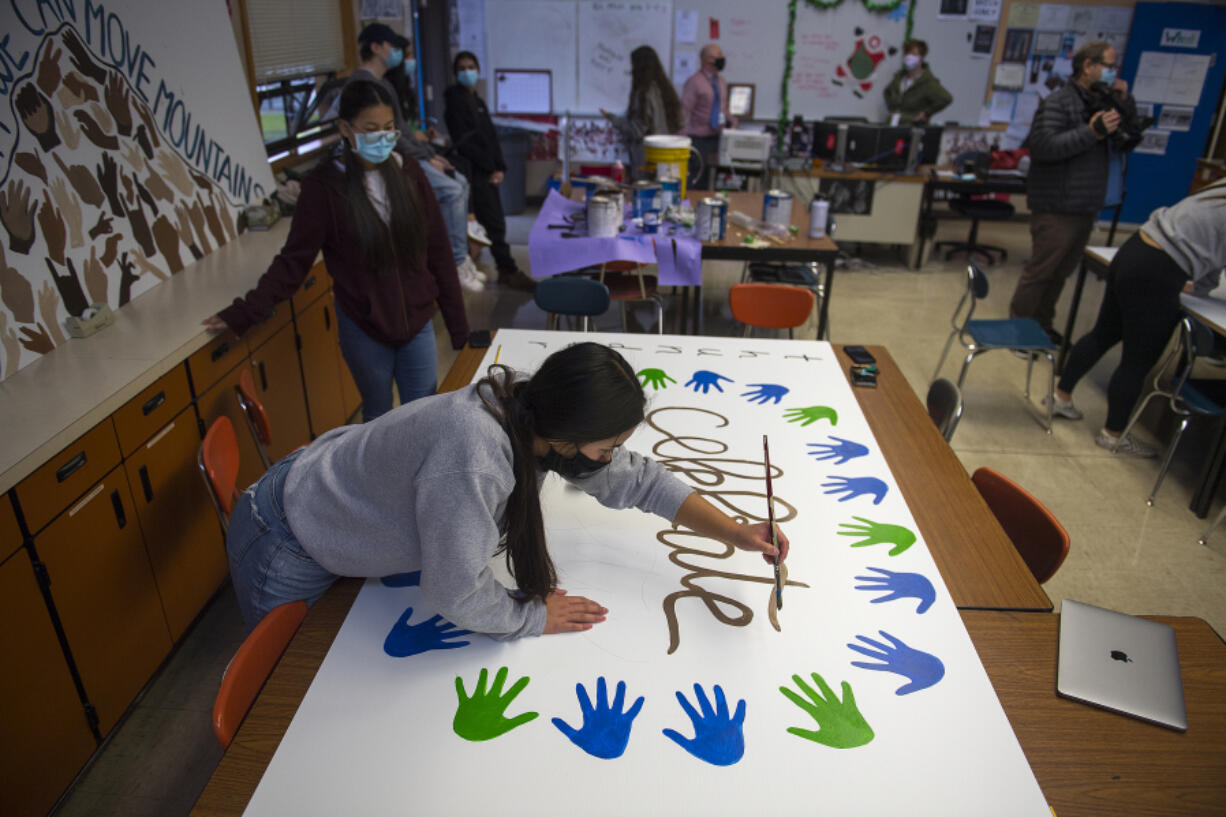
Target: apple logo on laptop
1120, 655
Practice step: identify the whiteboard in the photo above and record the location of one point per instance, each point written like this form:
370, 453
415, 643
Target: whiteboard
378, 732
949, 57
608, 32
534, 35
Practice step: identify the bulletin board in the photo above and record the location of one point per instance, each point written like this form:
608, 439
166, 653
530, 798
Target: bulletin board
862, 695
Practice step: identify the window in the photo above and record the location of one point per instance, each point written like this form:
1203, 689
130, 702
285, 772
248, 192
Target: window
296, 115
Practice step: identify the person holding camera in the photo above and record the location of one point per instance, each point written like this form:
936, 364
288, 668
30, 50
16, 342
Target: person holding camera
1067, 184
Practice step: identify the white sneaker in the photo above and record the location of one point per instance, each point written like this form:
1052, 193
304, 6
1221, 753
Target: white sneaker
477, 233
1061, 409
1126, 445
467, 279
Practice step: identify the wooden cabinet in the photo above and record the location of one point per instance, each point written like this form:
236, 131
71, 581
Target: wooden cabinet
103, 589
322, 365
181, 532
214, 361
45, 739
141, 417
278, 383
317, 282
52, 487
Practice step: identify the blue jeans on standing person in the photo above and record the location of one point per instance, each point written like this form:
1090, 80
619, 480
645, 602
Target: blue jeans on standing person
267, 565
452, 196
413, 366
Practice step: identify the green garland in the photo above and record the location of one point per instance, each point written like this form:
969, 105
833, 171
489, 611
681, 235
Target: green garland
789, 49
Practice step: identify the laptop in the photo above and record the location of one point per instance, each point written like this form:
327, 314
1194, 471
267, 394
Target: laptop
1122, 663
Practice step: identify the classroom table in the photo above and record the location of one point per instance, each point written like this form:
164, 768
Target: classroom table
1009, 183
1211, 311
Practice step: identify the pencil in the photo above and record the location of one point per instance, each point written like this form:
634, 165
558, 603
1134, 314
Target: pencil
770, 518
498, 353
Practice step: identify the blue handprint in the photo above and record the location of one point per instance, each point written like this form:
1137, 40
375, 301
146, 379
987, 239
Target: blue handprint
412, 579
899, 586
606, 729
704, 380
763, 393
842, 452
718, 739
856, 486
920, 668
432, 634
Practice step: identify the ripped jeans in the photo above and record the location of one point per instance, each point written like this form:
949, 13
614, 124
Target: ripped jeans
267, 565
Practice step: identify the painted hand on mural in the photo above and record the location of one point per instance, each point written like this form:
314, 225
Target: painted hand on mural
147, 266
108, 178
94, 132
719, 738
82, 181
16, 292
853, 487
811, 414
54, 231
434, 633
167, 240
31, 164
140, 227
35, 111
142, 139
82, 91
877, 533
17, 214
48, 310
131, 155
410, 579
703, 380
606, 728
82, 60
921, 669
49, 69
143, 112
70, 208
840, 724
157, 186
763, 393
99, 115
175, 171
117, 103
196, 214
214, 222
899, 586
185, 231
481, 717
36, 339
127, 277
110, 249
840, 451
12, 346
102, 226
656, 378
70, 289
95, 277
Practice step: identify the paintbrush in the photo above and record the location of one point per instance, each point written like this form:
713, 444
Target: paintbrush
770, 518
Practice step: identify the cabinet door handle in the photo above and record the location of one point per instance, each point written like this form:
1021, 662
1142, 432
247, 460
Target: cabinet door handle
117, 505
220, 352
145, 484
71, 467
153, 402
263, 375
308, 283
327, 319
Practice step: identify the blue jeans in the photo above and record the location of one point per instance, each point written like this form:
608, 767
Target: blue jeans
452, 195
267, 565
374, 366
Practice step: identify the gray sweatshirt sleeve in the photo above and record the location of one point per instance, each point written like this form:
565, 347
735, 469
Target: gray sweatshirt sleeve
632, 480
457, 527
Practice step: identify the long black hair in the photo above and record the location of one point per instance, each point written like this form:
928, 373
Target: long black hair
579, 395
401, 241
646, 71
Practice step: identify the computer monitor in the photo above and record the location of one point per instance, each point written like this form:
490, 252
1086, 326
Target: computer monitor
931, 145
893, 148
862, 143
825, 139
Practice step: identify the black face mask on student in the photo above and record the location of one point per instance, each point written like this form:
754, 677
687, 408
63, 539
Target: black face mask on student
579, 465
720, 62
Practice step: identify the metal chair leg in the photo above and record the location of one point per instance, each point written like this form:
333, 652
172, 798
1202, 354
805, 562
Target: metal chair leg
1166, 461
1217, 520
1136, 414
948, 342
966, 365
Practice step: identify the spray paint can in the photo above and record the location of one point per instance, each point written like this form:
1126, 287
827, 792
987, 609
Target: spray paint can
819, 215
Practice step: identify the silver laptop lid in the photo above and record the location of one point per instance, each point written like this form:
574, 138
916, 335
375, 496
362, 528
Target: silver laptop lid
1120, 662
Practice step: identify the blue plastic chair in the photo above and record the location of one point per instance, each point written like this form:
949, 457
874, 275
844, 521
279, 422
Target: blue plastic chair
577, 297
1186, 400
1017, 334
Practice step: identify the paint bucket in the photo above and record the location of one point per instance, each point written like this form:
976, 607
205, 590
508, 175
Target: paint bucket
710, 219
588, 184
604, 214
668, 157
777, 207
651, 222
670, 193
646, 198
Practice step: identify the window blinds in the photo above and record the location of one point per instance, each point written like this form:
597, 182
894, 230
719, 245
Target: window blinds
293, 38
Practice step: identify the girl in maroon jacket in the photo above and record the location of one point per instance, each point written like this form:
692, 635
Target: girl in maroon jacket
374, 216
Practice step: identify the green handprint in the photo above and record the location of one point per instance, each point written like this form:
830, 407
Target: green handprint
655, 378
878, 533
841, 726
481, 716
810, 414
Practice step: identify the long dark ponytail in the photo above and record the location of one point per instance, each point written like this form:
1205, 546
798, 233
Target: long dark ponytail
580, 394
401, 242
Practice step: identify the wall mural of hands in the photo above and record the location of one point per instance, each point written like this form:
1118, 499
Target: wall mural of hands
70, 289
82, 59
31, 164
48, 309
70, 209
196, 214
83, 181
12, 346
117, 95
17, 215
55, 234
48, 76
147, 266
36, 339
99, 115
95, 277
167, 239
175, 171
127, 277
108, 178
16, 292
214, 221
184, 226
35, 111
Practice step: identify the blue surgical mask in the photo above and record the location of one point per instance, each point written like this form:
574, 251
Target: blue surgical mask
410, 66
395, 58
468, 77
375, 147
1108, 76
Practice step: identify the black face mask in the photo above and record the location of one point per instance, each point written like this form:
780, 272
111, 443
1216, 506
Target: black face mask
720, 62
576, 466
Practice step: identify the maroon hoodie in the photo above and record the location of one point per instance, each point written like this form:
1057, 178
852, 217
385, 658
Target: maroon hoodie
389, 308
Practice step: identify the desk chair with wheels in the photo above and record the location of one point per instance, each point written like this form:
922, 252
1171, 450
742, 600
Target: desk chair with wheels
977, 337
218, 463
254, 413
1185, 398
977, 210
1040, 539
628, 283
945, 406
251, 666
770, 306
577, 297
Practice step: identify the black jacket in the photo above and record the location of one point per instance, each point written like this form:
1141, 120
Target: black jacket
472, 133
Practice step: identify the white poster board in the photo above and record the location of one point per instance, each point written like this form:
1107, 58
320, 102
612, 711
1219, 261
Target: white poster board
534, 35
376, 734
608, 32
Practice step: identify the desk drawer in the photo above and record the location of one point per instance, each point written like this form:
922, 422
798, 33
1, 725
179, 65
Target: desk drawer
138, 419
53, 487
208, 365
317, 282
257, 335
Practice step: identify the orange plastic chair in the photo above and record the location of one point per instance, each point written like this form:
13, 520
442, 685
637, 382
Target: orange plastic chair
771, 306
1039, 538
218, 463
251, 666
257, 417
